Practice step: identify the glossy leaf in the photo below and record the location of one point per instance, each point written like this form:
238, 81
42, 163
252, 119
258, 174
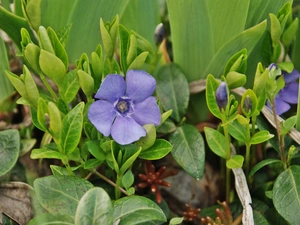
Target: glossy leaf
216, 142
94, 208
170, 79
286, 194
158, 150
188, 150
72, 128
60, 193
135, 210
211, 87
9, 150
262, 164
260, 137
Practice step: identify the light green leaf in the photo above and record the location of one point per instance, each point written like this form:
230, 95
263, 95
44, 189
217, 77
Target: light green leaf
211, 87
260, 137
44, 153
60, 193
235, 162
147, 141
216, 142
58, 170
286, 192
70, 86
158, 150
262, 164
135, 210
52, 219
188, 150
138, 62
170, 79
237, 130
94, 208
127, 179
72, 128
9, 150
176, 220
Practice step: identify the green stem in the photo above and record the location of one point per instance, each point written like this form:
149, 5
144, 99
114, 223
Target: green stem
118, 185
47, 85
227, 184
248, 149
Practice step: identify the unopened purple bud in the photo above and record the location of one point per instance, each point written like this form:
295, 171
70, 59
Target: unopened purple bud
247, 104
222, 95
273, 65
159, 33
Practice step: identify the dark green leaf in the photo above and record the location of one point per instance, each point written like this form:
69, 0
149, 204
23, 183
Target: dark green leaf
261, 164
94, 208
188, 150
170, 79
52, 219
9, 150
60, 193
128, 179
135, 210
159, 150
286, 194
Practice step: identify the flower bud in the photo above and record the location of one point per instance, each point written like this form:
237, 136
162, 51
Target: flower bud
222, 95
159, 33
247, 104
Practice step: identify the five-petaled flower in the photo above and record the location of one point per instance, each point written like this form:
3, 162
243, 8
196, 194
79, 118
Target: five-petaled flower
287, 95
123, 107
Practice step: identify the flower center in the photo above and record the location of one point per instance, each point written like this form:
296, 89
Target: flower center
122, 106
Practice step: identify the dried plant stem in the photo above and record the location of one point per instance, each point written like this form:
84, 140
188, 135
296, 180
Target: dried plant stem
108, 181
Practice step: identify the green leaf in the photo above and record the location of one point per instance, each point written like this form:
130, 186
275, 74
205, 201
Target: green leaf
286, 192
52, 219
138, 62
135, 210
44, 153
128, 179
235, 162
262, 164
237, 130
192, 52
260, 137
170, 79
94, 208
60, 193
238, 62
216, 142
159, 150
58, 170
147, 141
86, 82
249, 108
235, 79
72, 128
188, 150
70, 86
92, 164
93, 147
176, 220
275, 29
131, 152
9, 150
55, 121
289, 34
211, 87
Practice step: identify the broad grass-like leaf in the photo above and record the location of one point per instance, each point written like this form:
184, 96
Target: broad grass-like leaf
192, 36
286, 194
94, 208
160, 149
60, 194
9, 150
188, 150
72, 128
135, 210
170, 80
6, 87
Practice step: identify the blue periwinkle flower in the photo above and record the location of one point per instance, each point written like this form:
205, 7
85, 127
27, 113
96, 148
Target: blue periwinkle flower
287, 95
222, 95
123, 107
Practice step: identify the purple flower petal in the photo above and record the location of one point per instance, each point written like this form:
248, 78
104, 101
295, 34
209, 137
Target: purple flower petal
290, 77
112, 88
289, 93
140, 85
281, 106
125, 130
147, 112
102, 114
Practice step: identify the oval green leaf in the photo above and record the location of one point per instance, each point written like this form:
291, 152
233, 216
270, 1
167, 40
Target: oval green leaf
136, 210
216, 142
94, 208
263, 163
188, 150
286, 194
159, 150
9, 150
260, 137
235, 162
211, 86
170, 80
60, 193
